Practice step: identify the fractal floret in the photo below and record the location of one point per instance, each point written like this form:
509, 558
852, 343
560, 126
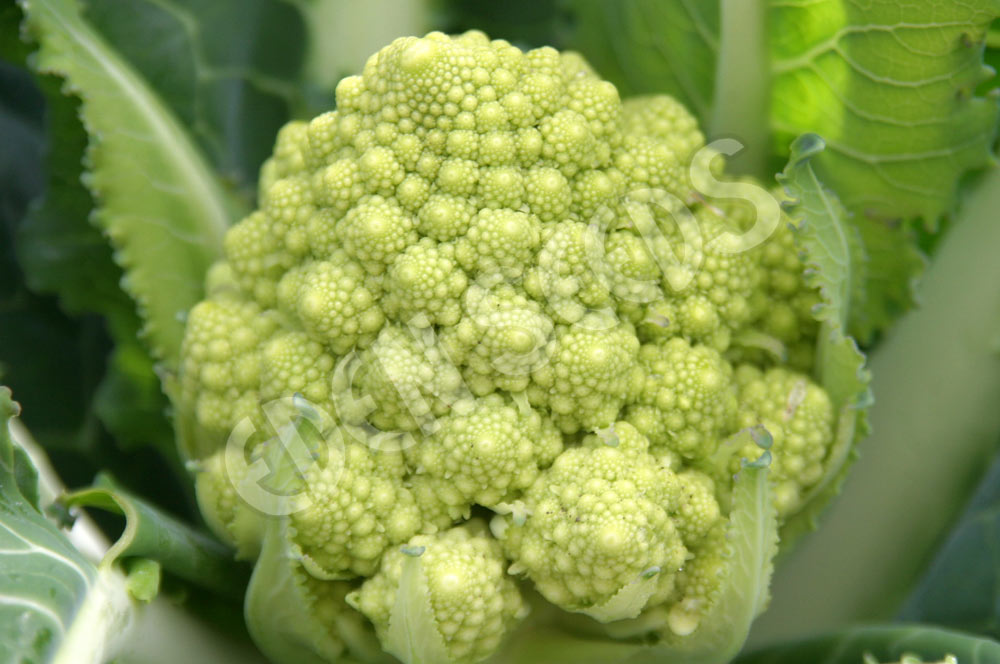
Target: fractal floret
466, 382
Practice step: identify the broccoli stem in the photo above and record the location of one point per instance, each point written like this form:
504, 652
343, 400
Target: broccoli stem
742, 84
936, 380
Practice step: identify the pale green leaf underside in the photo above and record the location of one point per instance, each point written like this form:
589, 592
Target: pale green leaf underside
44, 579
753, 537
157, 199
834, 256
628, 602
277, 609
413, 634
890, 87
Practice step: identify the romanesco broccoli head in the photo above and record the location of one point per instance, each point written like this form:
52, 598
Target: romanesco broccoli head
471, 295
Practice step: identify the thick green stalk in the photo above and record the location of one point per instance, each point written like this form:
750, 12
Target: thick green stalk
742, 83
936, 422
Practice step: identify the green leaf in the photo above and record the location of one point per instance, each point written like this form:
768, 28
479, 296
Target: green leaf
36, 340
279, 610
885, 643
414, 636
628, 602
891, 88
60, 252
44, 577
58, 248
231, 71
961, 585
834, 256
646, 46
157, 198
152, 534
231, 96
893, 265
130, 403
58, 607
753, 541
929, 444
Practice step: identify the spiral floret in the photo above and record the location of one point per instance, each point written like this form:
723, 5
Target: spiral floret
472, 600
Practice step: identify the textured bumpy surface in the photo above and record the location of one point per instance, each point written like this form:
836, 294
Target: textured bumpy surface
478, 270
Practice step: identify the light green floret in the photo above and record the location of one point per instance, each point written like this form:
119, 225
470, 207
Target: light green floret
501, 187
633, 271
488, 449
290, 155
348, 634
690, 387
292, 363
596, 193
424, 285
445, 217
569, 274
651, 162
289, 204
406, 378
799, 416
666, 118
221, 365
353, 508
338, 186
458, 176
697, 509
590, 375
333, 302
569, 141
501, 339
499, 243
257, 257
698, 584
380, 171
712, 288
784, 303
597, 101
472, 601
375, 232
547, 193
598, 520
216, 488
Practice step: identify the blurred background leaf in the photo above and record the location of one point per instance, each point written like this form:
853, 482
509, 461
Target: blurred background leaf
646, 46
883, 643
961, 588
